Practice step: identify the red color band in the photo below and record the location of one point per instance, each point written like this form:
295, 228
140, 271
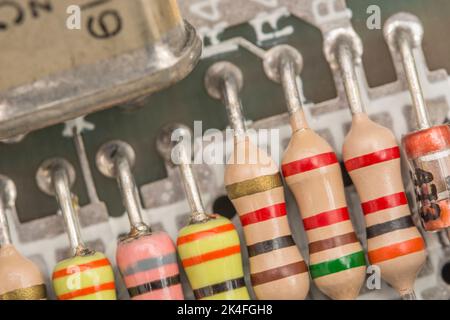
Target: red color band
372, 158
387, 202
275, 211
307, 164
326, 218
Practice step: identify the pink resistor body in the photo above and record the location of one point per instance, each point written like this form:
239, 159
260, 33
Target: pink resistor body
149, 267
147, 260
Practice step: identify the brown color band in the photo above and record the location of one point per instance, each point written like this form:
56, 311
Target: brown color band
333, 242
256, 185
278, 273
37, 292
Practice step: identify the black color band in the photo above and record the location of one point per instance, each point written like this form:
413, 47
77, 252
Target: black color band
389, 226
219, 288
270, 245
154, 285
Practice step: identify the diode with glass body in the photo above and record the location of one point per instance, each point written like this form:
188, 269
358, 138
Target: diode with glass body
428, 148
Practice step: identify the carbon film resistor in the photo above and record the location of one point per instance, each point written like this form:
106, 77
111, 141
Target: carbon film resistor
209, 246
87, 275
428, 148
372, 158
20, 278
310, 167
255, 187
147, 260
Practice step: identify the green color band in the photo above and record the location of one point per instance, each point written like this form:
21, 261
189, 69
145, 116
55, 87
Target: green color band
353, 260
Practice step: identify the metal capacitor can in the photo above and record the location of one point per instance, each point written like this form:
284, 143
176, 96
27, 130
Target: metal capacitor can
86, 56
428, 153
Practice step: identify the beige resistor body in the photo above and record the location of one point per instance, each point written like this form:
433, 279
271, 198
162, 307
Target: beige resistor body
255, 187
312, 171
277, 268
372, 158
20, 279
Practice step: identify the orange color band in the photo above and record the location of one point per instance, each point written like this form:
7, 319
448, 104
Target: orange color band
205, 233
80, 268
222, 253
87, 291
396, 250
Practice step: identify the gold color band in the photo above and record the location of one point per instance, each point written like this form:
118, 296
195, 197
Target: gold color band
257, 185
37, 292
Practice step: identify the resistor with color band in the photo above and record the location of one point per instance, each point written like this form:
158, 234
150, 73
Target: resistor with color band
88, 275
254, 185
312, 171
20, 279
372, 158
147, 260
209, 246
428, 148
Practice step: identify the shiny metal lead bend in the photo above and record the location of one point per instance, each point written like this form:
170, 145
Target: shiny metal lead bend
224, 81
343, 50
283, 64
55, 177
175, 152
8, 196
403, 33
115, 159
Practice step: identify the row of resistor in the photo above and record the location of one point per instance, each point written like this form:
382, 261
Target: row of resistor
209, 247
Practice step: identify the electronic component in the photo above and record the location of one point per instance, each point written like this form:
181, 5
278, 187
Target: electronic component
242, 35
209, 246
121, 50
372, 158
147, 260
88, 275
255, 187
428, 149
337, 261
20, 279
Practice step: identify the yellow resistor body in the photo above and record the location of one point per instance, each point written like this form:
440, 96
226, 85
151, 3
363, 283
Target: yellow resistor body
211, 256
